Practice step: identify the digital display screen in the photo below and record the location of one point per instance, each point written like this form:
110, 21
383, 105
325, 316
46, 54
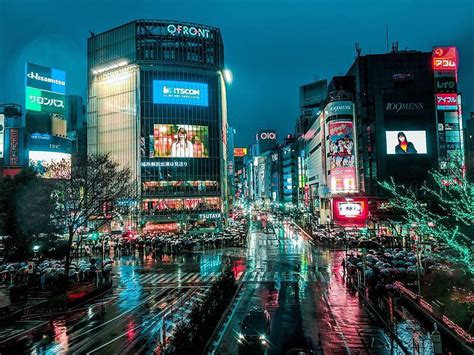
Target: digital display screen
179, 141
341, 157
180, 93
406, 142
350, 209
41, 162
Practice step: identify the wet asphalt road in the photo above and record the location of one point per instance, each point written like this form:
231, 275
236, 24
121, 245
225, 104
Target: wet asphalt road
312, 309
302, 287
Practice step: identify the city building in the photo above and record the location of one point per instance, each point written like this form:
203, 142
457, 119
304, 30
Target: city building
46, 123
157, 104
77, 123
394, 115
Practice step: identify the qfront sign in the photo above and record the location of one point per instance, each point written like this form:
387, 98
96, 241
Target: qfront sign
188, 31
45, 78
45, 101
180, 93
404, 106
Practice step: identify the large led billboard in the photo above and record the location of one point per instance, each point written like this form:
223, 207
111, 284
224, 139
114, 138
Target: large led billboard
179, 141
44, 101
45, 164
341, 156
406, 142
45, 78
350, 211
180, 93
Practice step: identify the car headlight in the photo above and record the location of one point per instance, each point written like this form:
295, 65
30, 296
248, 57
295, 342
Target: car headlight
241, 336
262, 337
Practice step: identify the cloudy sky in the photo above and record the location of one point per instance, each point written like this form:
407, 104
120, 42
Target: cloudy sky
271, 46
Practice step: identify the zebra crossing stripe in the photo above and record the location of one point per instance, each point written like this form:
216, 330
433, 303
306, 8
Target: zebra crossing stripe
194, 278
209, 277
146, 278
183, 276
160, 278
187, 277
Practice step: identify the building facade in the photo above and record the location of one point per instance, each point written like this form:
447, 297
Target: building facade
157, 104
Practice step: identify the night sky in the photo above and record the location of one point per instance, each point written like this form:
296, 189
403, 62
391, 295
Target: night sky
271, 46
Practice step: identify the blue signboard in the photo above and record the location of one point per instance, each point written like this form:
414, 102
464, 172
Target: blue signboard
48, 143
180, 93
45, 78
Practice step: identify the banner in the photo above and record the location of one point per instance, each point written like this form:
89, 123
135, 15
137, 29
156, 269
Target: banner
341, 157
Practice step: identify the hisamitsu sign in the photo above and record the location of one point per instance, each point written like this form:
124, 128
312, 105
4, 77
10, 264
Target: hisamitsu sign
45, 78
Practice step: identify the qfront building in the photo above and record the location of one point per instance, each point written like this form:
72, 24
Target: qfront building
157, 104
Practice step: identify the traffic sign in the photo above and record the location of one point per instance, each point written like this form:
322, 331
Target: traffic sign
31, 267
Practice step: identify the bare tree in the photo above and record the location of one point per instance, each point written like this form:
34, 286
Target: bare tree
94, 184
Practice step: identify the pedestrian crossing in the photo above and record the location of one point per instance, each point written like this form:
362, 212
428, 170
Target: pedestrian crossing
151, 279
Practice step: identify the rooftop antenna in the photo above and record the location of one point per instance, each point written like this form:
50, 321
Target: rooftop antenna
395, 47
386, 35
358, 49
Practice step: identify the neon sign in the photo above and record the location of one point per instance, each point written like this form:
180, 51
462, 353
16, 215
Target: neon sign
188, 31
445, 58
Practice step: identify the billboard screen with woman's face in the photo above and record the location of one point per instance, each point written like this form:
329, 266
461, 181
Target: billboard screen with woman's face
406, 142
179, 141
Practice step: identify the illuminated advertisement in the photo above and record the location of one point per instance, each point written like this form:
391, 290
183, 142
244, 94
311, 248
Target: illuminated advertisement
180, 93
49, 143
240, 152
45, 78
44, 101
445, 58
339, 108
445, 84
43, 163
447, 101
191, 31
179, 141
2, 130
265, 135
341, 156
350, 211
14, 147
406, 142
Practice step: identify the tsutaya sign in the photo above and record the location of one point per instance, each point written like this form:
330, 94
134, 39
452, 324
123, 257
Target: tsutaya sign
188, 31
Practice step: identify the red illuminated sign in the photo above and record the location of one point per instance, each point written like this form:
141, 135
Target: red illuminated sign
350, 211
447, 101
240, 152
445, 58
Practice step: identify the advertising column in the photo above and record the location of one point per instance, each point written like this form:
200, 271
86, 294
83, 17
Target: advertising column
445, 63
340, 148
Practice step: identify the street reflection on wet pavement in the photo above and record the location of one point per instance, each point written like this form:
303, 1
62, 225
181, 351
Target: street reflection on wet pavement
301, 285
